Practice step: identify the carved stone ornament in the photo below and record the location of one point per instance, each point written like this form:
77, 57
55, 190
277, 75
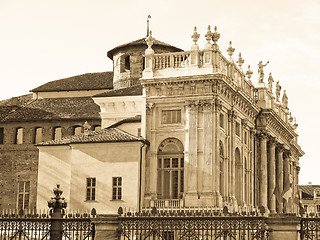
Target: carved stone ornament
208, 37
240, 61
249, 73
270, 82
278, 89
149, 107
260, 71
230, 50
285, 99
195, 36
215, 38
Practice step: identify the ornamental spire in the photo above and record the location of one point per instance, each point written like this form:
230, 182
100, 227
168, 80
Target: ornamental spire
148, 27
195, 36
240, 61
230, 50
249, 73
208, 36
215, 38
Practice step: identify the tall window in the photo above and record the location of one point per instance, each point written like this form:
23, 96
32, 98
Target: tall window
77, 130
170, 169
239, 179
19, 136
91, 189
221, 187
116, 188
127, 63
23, 194
57, 133
238, 129
1, 135
37, 135
221, 120
171, 116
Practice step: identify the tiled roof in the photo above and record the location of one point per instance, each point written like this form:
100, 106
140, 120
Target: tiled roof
17, 101
127, 120
135, 90
142, 41
88, 81
308, 191
51, 109
100, 136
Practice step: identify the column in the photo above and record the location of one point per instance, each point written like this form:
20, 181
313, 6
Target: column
272, 176
279, 178
286, 180
263, 171
191, 156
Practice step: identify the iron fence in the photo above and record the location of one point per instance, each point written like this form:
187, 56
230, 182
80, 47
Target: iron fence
35, 226
310, 228
191, 224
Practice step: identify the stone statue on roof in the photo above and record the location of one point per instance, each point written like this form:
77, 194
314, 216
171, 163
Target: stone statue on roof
285, 99
278, 89
270, 82
260, 71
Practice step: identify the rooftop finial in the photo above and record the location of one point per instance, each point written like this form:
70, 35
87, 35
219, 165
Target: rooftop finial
285, 99
195, 36
230, 50
209, 34
215, 38
148, 27
249, 73
240, 61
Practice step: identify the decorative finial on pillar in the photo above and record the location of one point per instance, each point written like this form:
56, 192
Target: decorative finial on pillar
249, 73
208, 36
278, 89
230, 50
240, 61
215, 38
195, 36
290, 118
149, 40
260, 71
270, 82
86, 128
285, 100
148, 27
57, 204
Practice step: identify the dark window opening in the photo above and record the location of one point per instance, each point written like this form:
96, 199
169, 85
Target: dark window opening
127, 63
1, 135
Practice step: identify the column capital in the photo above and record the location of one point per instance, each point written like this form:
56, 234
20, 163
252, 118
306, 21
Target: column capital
272, 141
262, 134
232, 115
280, 147
191, 105
286, 154
149, 107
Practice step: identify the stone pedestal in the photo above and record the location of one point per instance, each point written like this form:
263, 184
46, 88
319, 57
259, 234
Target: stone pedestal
283, 226
106, 227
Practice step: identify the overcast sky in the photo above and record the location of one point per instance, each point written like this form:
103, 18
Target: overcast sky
44, 40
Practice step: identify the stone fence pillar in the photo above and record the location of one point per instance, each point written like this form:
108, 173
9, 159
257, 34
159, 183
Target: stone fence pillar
106, 227
283, 226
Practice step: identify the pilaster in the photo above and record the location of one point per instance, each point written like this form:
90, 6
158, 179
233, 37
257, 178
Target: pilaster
272, 175
263, 170
279, 178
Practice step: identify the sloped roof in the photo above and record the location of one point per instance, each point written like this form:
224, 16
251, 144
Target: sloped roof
127, 120
308, 191
88, 81
99, 136
135, 90
51, 109
140, 42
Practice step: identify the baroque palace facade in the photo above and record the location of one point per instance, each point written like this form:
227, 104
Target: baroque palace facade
178, 129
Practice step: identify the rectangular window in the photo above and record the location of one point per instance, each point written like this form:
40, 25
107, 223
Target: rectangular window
19, 136
221, 120
245, 137
318, 208
238, 129
171, 116
1, 135
23, 194
57, 133
91, 189
116, 188
37, 135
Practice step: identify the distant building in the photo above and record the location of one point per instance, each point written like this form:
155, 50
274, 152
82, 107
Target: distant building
310, 198
178, 129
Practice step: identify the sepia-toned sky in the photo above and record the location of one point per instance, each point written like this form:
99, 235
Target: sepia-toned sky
45, 40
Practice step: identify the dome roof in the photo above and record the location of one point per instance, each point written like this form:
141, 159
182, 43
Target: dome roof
142, 42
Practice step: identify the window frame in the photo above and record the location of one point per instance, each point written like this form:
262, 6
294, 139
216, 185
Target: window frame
167, 123
91, 188
17, 134
25, 195
116, 188
38, 138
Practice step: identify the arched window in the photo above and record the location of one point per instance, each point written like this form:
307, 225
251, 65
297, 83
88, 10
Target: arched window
77, 130
127, 63
37, 135
238, 179
19, 136
221, 170
57, 133
170, 169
